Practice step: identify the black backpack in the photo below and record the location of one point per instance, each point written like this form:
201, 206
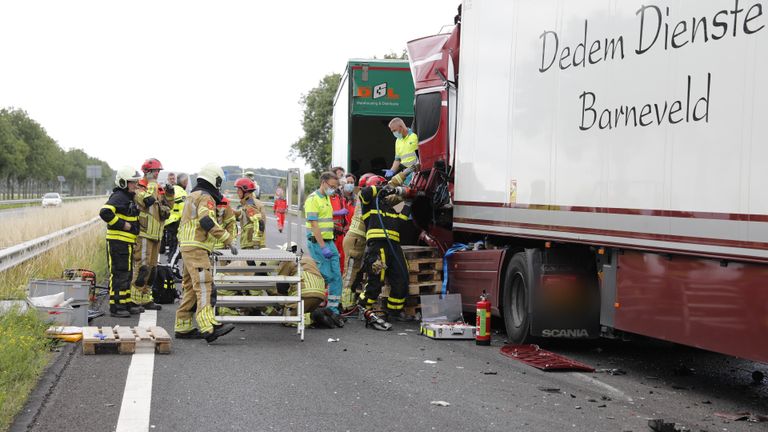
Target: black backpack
164, 285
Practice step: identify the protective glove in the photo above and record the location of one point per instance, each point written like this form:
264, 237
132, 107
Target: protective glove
327, 252
389, 173
233, 249
342, 212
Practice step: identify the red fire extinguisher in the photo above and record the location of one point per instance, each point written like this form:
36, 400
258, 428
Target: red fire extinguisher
483, 333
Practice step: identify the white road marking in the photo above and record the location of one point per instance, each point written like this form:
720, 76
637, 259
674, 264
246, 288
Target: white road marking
137, 397
609, 388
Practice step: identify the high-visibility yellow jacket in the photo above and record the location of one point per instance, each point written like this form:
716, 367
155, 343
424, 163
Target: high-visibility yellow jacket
318, 208
118, 210
356, 226
226, 218
199, 228
253, 222
312, 282
405, 150
151, 206
179, 196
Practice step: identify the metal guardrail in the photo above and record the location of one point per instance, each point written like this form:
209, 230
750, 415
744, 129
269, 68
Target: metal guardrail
39, 200
15, 255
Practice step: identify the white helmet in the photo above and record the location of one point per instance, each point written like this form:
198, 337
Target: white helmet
250, 174
291, 246
213, 174
126, 174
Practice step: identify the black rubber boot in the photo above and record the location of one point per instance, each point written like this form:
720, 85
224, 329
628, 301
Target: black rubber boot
192, 334
218, 331
152, 306
120, 313
338, 321
321, 320
135, 309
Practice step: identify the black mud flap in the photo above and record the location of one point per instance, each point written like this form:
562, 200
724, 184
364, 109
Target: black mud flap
565, 297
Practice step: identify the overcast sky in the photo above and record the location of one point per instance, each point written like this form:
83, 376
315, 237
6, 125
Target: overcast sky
190, 82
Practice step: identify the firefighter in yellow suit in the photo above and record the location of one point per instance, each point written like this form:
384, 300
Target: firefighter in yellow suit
253, 218
153, 211
198, 233
227, 219
312, 290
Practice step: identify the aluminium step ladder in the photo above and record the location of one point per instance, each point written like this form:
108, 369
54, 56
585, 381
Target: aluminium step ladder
242, 278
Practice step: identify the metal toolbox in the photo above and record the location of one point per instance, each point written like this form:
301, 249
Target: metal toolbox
77, 290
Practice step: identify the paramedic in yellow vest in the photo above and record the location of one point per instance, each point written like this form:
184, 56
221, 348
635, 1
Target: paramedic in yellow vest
172, 224
312, 290
198, 234
153, 211
319, 215
121, 215
406, 148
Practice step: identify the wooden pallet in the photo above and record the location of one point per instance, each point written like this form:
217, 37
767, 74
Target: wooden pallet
125, 339
427, 276
425, 288
418, 252
422, 265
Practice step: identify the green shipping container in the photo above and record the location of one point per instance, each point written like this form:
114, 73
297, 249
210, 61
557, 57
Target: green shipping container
371, 93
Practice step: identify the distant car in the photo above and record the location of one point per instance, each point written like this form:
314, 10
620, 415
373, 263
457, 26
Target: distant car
51, 199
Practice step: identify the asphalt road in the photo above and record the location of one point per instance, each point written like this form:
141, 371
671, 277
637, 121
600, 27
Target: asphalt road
261, 377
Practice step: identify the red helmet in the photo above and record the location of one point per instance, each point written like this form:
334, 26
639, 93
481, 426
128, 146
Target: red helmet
245, 184
376, 181
364, 179
151, 164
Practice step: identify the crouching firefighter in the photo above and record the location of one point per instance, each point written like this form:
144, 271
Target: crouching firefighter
198, 234
121, 215
383, 259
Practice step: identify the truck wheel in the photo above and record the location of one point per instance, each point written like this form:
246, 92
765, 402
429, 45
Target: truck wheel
517, 319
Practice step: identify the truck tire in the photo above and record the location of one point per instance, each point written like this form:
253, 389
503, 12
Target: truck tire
515, 300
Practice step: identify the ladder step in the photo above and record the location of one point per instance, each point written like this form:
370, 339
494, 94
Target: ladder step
258, 319
261, 280
242, 287
255, 300
246, 269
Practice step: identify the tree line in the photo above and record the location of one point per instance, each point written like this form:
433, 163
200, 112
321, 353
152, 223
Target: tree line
31, 161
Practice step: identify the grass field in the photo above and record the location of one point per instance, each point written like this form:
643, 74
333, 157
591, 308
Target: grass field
24, 350
35, 222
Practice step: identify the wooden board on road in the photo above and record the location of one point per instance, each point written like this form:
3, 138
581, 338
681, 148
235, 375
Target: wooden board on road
124, 340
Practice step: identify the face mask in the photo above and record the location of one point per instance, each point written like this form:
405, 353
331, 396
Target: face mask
397, 134
349, 188
330, 191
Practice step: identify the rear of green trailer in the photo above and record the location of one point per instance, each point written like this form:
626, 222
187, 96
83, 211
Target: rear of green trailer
371, 93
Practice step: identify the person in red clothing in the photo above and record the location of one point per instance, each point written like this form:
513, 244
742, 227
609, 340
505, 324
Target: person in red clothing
339, 222
281, 206
349, 195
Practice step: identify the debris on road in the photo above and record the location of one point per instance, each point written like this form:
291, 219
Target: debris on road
549, 389
612, 371
490, 373
659, 425
333, 340
743, 416
440, 403
683, 370
534, 356
430, 362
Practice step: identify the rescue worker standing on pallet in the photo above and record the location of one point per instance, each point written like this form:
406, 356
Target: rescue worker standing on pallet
253, 220
121, 215
319, 215
172, 224
383, 258
406, 148
198, 234
153, 212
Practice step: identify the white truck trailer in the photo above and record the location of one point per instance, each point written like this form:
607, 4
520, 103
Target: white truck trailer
612, 156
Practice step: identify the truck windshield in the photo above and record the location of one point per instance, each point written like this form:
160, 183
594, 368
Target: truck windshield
427, 114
